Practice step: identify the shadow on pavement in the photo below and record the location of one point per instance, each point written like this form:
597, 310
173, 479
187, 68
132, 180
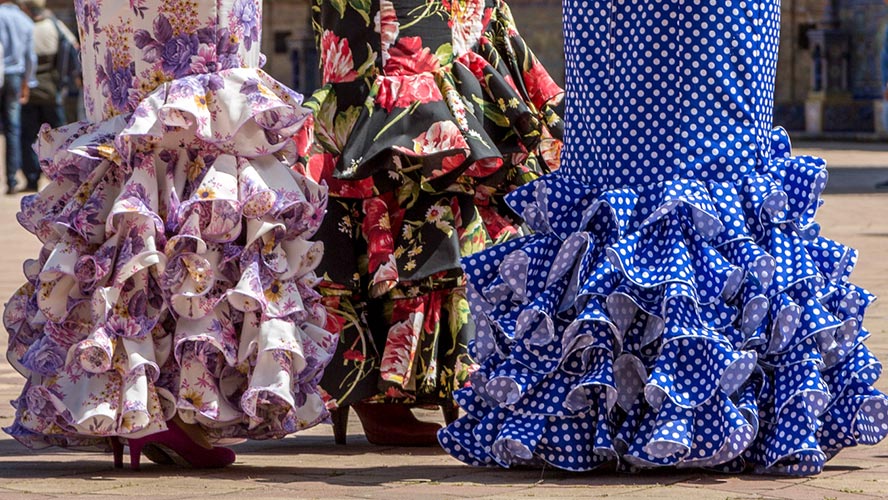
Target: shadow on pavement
299, 462
854, 180
96, 469
878, 146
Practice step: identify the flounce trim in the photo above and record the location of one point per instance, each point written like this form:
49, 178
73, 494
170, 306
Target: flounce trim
176, 275
685, 324
421, 126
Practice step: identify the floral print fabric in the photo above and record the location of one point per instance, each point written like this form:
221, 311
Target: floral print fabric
677, 305
177, 275
430, 112
149, 42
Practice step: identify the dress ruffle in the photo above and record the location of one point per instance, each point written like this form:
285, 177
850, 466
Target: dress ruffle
684, 324
419, 140
424, 125
177, 273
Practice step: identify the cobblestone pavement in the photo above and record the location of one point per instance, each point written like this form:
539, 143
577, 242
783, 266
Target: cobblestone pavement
311, 466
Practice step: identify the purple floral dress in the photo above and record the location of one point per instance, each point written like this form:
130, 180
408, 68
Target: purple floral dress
177, 272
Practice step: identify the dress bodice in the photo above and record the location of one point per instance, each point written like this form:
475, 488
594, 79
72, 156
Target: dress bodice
130, 48
668, 89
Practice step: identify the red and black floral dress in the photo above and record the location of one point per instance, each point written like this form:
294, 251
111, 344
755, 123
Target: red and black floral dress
430, 112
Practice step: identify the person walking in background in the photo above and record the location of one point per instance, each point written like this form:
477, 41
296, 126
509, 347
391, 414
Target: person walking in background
19, 60
884, 67
56, 50
1, 66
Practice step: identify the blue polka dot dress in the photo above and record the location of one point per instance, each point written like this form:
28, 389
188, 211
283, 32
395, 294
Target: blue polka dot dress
676, 305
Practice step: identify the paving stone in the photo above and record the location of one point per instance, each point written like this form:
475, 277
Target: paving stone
765, 487
867, 482
539, 490
12, 495
57, 485
178, 486
674, 492
806, 492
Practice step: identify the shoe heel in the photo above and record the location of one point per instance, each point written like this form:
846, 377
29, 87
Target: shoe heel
339, 417
450, 411
174, 445
394, 424
135, 448
117, 450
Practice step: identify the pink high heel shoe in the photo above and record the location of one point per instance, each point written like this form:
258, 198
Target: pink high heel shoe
172, 446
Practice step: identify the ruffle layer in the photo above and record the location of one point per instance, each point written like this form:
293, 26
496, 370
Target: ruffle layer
177, 273
418, 152
432, 128
681, 324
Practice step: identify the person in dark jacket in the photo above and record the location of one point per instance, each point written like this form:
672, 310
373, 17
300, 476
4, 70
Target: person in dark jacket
52, 44
19, 60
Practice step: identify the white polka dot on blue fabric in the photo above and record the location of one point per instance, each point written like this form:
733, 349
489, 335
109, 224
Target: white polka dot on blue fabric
678, 305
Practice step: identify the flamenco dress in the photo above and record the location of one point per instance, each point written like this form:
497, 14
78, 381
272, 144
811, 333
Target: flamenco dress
176, 277
677, 305
429, 113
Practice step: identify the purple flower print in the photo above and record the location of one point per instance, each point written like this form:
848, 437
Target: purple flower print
189, 87
137, 194
133, 243
246, 14
227, 50
130, 406
70, 169
93, 356
215, 82
88, 13
22, 433
90, 269
38, 403
155, 296
300, 397
205, 59
44, 357
152, 46
173, 52
118, 86
64, 335
138, 7
138, 304
177, 53
26, 334
250, 88
231, 252
96, 141
173, 274
85, 272
123, 327
288, 423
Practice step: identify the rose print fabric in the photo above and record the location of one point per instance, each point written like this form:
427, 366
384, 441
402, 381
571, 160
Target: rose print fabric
430, 113
177, 274
677, 305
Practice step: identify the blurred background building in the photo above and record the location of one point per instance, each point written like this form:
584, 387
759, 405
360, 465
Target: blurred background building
828, 80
